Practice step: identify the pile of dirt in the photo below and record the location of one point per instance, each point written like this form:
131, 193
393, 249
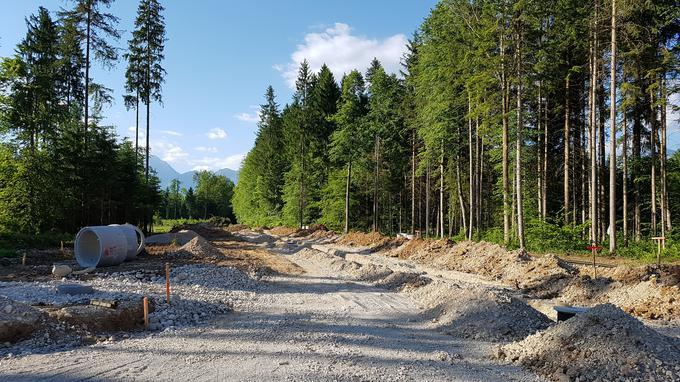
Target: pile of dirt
604, 344
200, 248
204, 229
422, 250
235, 228
648, 299
283, 231
666, 274
373, 240
478, 312
335, 264
371, 272
400, 280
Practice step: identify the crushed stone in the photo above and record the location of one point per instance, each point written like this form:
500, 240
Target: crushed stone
604, 344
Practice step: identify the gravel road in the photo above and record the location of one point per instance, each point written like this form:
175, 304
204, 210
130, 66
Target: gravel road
310, 327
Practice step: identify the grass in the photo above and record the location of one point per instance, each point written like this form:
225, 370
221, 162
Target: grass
12, 242
165, 225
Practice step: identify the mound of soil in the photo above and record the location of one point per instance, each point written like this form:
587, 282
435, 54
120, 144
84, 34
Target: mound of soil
235, 228
373, 240
200, 248
283, 231
204, 229
479, 312
401, 280
604, 344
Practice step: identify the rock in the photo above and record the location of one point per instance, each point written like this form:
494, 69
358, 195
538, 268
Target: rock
60, 270
74, 289
18, 322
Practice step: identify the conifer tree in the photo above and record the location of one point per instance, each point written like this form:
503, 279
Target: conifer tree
145, 71
94, 27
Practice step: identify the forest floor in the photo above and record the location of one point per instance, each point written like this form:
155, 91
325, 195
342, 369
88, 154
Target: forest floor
312, 305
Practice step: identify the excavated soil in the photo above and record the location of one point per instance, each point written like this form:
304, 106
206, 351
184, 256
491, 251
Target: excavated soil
479, 312
603, 344
645, 291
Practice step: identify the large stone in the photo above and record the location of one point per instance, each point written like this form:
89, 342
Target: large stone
126, 316
74, 289
17, 320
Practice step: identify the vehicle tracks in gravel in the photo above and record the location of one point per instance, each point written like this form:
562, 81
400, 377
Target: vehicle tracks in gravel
310, 327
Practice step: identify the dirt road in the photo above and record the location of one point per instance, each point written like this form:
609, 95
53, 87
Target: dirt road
308, 327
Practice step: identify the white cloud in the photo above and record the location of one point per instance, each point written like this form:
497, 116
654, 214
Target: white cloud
248, 117
216, 163
217, 133
169, 152
342, 51
207, 149
171, 132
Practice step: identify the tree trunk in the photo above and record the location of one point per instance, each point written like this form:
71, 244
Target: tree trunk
664, 168
662, 155
624, 184
441, 193
413, 182
612, 138
376, 149
427, 200
506, 149
652, 142
471, 187
539, 151
637, 147
87, 62
592, 148
478, 181
518, 144
137, 129
460, 195
349, 180
566, 150
544, 191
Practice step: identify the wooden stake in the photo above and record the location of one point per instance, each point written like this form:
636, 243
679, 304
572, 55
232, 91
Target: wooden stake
660, 246
62, 247
146, 311
167, 283
23, 260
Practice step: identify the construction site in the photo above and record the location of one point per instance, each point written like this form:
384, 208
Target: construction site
205, 303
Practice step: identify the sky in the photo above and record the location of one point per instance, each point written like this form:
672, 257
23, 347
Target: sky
221, 56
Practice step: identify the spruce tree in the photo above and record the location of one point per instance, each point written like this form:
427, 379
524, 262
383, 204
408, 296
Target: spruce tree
145, 74
95, 27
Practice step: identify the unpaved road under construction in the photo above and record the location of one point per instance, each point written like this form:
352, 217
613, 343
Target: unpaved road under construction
318, 325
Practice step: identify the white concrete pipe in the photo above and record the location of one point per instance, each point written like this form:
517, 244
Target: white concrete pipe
135, 239
99, 246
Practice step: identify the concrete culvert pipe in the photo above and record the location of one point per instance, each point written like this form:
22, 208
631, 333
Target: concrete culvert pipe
99, 246
135, 239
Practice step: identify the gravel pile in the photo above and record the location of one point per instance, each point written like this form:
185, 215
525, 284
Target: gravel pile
199, 247
603, 344
478, 312
399, 280
199, 293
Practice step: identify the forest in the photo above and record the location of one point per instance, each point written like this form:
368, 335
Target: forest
61, 168
538, 125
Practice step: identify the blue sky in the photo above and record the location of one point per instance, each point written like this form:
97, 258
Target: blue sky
221, 56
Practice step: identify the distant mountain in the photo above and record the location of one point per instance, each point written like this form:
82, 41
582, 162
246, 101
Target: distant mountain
166, 173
